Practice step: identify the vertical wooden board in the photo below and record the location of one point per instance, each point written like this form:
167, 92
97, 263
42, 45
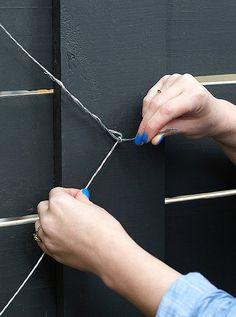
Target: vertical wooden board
26, 161
201, 41
200, 38
202, 237
26, 175
19, 253
30, 23
111, 54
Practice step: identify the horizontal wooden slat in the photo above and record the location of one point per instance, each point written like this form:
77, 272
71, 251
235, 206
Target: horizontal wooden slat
210, 80
19, 93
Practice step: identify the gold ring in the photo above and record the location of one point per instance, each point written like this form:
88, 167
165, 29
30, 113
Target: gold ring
36, 237
39, 227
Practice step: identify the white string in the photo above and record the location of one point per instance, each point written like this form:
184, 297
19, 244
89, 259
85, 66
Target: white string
113, 133
41, 258
23, 284
101, 165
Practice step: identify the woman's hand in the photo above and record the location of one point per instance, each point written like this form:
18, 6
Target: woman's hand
179, 102
76, 232
82, 235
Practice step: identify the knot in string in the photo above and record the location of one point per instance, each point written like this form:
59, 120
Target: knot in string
117, 135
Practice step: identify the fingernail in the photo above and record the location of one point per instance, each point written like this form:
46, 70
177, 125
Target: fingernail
158, 139
162, 137
144, 137
85, 191
138, 139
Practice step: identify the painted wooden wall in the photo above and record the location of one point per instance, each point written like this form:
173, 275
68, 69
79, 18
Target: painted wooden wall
109, 54
26, 160
200, 235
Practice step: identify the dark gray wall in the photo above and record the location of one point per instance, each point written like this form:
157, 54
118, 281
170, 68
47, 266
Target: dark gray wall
111, 53
200, 235
26, 160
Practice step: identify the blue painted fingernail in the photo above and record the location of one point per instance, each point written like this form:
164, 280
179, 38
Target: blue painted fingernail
144, 137
161, 139
85, 191
138, 139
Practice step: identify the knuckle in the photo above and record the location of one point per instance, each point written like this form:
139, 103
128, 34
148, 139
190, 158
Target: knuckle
155, 104
187, 77
167, 110
146, 100
54, 191
151, 124
43, 205
166, 76
200, 92
40, 205
175, 75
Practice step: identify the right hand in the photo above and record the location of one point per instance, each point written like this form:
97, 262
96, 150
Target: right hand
180, 102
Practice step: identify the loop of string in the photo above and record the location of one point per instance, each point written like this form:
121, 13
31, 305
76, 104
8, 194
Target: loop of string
117, 135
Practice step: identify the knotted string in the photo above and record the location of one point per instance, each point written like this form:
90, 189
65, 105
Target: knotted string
117, 135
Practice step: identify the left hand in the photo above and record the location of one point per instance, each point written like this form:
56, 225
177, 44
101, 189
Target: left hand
76, 232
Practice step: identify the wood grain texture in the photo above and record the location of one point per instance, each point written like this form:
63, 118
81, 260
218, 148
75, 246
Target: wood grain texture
30, 23
200, 235
111, 53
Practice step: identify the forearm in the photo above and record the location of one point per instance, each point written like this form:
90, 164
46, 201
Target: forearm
225, 134
138, 276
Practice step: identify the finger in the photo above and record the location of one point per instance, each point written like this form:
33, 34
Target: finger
171, 80
43, 248
158, 101
152, 92
42, 208
37, 225
166, 82
158, 139
173, 109
83, 195
55, 191
38, 237
62, 190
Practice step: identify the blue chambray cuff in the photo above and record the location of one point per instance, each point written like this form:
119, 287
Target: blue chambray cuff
191, 295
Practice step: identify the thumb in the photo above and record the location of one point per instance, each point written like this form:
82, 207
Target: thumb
83, 195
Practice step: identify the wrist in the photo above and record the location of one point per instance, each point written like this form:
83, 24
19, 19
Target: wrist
225, 123
137, 276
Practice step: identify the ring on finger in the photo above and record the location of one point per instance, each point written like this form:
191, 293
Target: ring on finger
36, 234
37, 237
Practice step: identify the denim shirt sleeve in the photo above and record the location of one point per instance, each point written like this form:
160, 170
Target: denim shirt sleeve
192, 295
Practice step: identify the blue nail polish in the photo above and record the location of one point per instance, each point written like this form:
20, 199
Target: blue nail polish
161, 139
85, 191
138, 139
144, 137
